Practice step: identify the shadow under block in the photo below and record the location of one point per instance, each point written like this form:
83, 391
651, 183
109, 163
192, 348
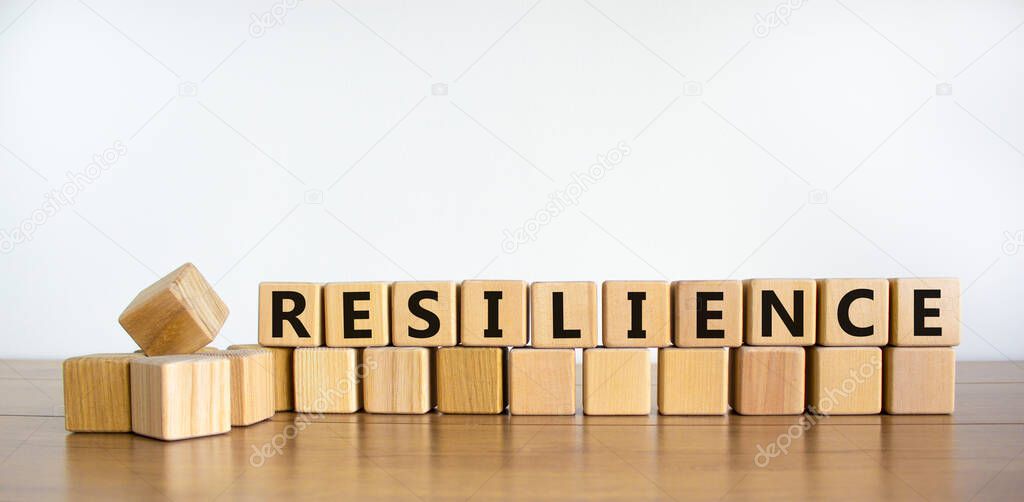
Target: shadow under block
252, 385
844, 380
493, 314
397, 380
97, 393
284, 378
542, 381
693, 381
616, 382
327, 380
853, 312
767, 380
925, 312
424, 314
179, 314
919, 380
179, 397
636, 314
290, 314
356, 314
471, 380
779, 312
563, 315
708, 313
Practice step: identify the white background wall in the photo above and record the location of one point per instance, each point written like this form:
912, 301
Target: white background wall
311, 147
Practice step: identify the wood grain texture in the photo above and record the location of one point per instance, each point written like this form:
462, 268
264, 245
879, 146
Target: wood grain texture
308, 314
542, 381
862, 312
327, 380
180, 397
942, 314
398, 380
471, 380
370, 312
776, 332
411, 330
579, 312
513, 310
844, 380
252, 384
97, 393
693, 381
616, 381
617, 314
178, 314
767, 380
284, 376
723, 318
919, 380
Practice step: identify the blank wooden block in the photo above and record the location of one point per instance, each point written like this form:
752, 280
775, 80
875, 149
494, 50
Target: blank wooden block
616, 382
398, 380
179, 397
291, 314
919, 380
708, 313
493, 313
853, 312
284, 378
767, 380
327, 380
356, 314
636, 314
424, 314
471, 380
97, 393
693, 381
779, 312
844, 380
542, 381
925, 312
563, 314
179, 314
252, 384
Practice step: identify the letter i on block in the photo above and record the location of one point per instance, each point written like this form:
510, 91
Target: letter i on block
290, 315
424, 314
925, 312
636, 313
493, 313
356, 314
563, 314
853, 312
708, 313
780, 311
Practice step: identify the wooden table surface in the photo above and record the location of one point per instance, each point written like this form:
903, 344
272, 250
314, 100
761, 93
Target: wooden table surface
976, 453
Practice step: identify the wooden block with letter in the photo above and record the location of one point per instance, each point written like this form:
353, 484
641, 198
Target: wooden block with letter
542, 381
708, 313
779, 312
925, 312
493, 313
853, 312
327, 380
767, 380
97, 393
180, 397
616, 381
693, 381
844, 380
636, 314
424, 314
284, 378
919, 380
252, 384
291, 314
398, 380
179, 314
563, 314
471, 380
356, 314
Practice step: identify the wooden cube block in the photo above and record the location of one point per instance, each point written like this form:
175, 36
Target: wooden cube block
780, 311
284, 377
919, 380
252, 384
925, 312
542, 381
424, 314
328, 380
291, 314
493, 313
179, 397
398, 380
563, 314
356, 314
179, 314
636, 314
693, 381
97, 393
616, 382
853, 312
767, 380
708, 313
844, 380
471, 380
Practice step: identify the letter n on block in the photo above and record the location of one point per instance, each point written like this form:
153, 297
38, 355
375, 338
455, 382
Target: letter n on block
290, 314
780, 311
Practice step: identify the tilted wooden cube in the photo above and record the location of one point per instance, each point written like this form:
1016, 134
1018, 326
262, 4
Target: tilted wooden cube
97, 393
616, 382
291, 314
471, 380
493, 313
844, 380
693, 381
563, 314
542, 381
328, 380
180, 397
356, 314
708, 313
252, 384
636, 314
925, 312
398, 380
780, 312
767, 380
284, 377
424, 314
919, 380
179, 314
853, 312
